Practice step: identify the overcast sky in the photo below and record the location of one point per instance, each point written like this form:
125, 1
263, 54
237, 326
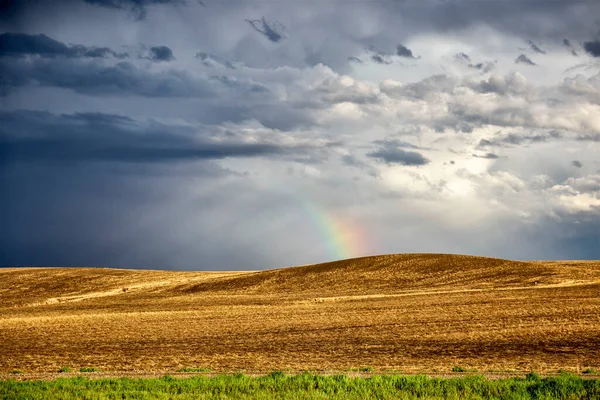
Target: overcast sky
238, 135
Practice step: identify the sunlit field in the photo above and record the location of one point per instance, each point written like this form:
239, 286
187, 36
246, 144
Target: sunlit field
412, 313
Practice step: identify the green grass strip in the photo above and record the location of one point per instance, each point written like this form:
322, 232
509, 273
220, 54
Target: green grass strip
278, 385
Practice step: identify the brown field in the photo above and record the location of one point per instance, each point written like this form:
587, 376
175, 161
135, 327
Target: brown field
409, 312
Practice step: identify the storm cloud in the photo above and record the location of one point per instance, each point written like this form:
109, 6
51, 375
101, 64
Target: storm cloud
523, 59
394, 155
136, 8
122, 78
20, 44
161, 53
535, 48
404, 51
172, 134
271, 30
592, 48
33, 136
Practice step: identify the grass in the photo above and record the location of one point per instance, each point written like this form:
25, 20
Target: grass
590, 371
278, 385
64, 369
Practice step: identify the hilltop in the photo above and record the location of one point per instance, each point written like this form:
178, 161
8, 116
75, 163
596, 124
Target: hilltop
385, 274
414, 312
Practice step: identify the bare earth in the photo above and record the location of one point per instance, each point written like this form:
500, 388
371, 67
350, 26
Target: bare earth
408, 312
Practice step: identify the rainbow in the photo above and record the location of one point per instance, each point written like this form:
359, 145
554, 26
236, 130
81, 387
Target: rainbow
342, 236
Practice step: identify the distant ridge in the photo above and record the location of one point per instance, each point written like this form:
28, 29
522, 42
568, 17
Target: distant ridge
383, 274
401, 272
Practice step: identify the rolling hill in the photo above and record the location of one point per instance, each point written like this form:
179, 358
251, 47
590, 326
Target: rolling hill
410, 312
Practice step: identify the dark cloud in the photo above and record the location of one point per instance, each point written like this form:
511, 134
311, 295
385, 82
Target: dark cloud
271, 30
16, 44
523, 59
513, 139
568, 45
381, 59
211, 60
577, 163
21, 44
123, 78
394, 155
161, 53
485, 142
481, 66
137, 8
350, 160
463, 57
593, 48
100, 52
489, 156
404, 51
535, 20
535, 48
35, 136
355, 59
589, 137
484, 66
396, 143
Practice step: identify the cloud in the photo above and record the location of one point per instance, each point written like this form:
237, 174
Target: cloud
381, 59
583, 87
535, 48
137, 8
484, 67
569, 46
443, 102
21, 44
592, 48
585, 184
211, 60
396, 143
213, 144
519, 139
404, 51
393, 155
124, 78
489, 156
514, 83
271, 30
463, 57
422, 89
161, 53
523, 59
576, 163
35, 136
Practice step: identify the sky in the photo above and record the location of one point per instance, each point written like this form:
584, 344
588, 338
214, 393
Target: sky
247, 135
